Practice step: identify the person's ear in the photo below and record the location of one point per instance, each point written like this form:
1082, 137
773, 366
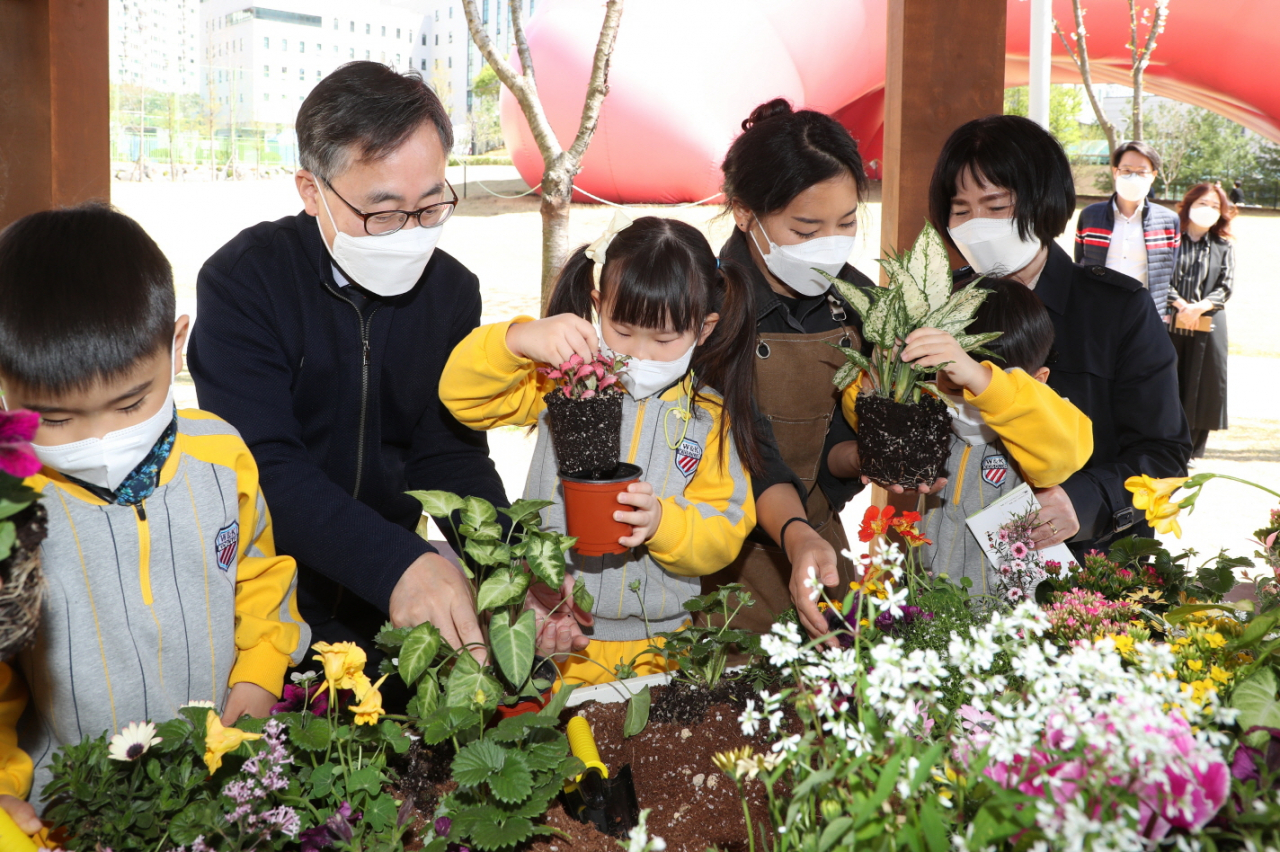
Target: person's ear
741, 215
708, 326
595, 303
1041, 375
307, 189
181, 329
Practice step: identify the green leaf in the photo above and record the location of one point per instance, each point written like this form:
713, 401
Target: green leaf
955, 315
581, 596
526, 510
834, 831
936, 834
487, 531
8, 535
470, 685
438, 504
390, 638
488, 551
1255, 698
859, 298
914, 298
418, 651
558, 702
514, 782
365, 779
1254, 632
546, 559
479, 761
513, 644
969, 342
476, 512
930, 266
428, 696
493, 835
546, 756
878, 326
380, 813
312, 734
505, 586
637, 713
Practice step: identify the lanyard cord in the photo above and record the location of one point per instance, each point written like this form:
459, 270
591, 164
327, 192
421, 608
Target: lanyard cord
682, 411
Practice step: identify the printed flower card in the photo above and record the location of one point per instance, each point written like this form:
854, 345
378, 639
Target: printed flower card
1003, 530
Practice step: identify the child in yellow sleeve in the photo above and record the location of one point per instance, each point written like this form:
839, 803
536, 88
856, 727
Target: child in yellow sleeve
687, 325
1008, 426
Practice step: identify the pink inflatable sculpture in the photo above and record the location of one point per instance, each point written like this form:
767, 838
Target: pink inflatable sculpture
684, 75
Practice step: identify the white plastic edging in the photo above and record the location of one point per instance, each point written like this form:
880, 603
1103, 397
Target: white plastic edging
616, 691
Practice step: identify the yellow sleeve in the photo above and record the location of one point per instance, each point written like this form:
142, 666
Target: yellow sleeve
486, 386
703, 529
16, 768
849, 399
1049, 438
270, 633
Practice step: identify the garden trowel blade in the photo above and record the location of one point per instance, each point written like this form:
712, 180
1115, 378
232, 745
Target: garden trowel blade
611, 806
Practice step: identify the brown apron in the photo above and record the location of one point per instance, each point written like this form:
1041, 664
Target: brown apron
795, 392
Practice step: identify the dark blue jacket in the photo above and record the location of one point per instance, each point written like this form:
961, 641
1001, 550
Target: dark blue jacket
1160, 228
337, 397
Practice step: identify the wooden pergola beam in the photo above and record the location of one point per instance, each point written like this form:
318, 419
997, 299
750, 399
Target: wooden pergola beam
54, 111
945, 66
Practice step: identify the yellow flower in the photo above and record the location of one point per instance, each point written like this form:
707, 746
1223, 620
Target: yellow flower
370, 707
343, 664
1219, 674
1215, 639
219, 740
1200, 690
1152, 496
1195, 665
1124, 644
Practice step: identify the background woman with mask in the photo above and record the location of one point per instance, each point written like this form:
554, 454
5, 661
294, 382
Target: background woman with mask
793, 182
1001, 192
1205, 277
1129, 233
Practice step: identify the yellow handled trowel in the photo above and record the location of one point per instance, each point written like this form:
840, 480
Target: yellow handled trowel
594, 797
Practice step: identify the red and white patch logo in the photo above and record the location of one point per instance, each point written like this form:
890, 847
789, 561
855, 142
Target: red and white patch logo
688, 456
227, 543
994, 469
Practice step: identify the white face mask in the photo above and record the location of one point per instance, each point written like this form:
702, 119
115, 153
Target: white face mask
1134, 187
387, 265
1205, 217
994, 246
106, 461
793, 265
643, 378
967, 422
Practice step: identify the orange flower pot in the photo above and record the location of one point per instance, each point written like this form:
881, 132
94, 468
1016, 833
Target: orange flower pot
589, 505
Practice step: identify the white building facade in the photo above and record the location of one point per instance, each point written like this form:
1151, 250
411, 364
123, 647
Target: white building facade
155, 44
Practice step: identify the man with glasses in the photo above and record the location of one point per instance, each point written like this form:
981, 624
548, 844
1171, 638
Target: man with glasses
1129, 232
321, 337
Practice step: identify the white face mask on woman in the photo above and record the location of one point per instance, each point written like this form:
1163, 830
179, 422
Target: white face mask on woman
994, 246
1205, 217
643, 377
385, 265
793, 265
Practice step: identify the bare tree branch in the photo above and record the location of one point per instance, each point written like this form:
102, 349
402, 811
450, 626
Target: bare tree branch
1081, 59
598, 86
522, 43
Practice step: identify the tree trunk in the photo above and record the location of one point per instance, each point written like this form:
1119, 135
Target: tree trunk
1081, 59
1135, 132
557, 192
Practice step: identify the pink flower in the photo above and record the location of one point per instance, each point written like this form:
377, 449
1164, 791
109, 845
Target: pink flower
1004, 535
1019, 550
17, 428
1018, 565
1006, 570
1015, 594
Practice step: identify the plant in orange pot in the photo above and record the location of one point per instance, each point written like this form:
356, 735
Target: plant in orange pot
584, 412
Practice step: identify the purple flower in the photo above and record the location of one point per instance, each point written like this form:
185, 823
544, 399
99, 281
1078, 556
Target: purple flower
295, 698
17, 428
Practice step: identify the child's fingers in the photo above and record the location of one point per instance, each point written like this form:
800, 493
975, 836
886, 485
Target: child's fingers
635, 519
634, 540
640, 487
639, 499
22, 813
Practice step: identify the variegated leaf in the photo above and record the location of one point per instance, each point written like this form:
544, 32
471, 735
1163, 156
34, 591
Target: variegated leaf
930, 266
854, 357
845, 375
969, 342
878, 322
956, 314
859, 298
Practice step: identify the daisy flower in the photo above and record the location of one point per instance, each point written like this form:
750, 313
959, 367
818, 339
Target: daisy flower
133, 742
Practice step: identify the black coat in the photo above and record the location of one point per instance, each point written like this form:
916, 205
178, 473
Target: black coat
1113, 359
328, 388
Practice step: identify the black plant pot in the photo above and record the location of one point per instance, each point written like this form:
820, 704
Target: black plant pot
586, 434
903, 443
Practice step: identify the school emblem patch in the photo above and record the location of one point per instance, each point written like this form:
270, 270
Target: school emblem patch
688, 456
994, 469
226, 544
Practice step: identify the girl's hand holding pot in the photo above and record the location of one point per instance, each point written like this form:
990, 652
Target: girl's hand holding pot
646, 517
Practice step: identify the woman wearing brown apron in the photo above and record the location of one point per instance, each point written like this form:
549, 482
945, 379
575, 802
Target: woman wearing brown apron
793, 182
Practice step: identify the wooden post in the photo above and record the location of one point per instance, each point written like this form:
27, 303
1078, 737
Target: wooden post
945, 66
54, 112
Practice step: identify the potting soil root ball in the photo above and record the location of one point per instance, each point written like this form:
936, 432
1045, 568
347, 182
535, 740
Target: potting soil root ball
901, 443
585, 433
22, 591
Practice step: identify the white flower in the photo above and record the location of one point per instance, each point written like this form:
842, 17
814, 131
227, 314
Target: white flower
201, 704
786, 745
133, 742
640, 839
813, 584
750, 719
299, 677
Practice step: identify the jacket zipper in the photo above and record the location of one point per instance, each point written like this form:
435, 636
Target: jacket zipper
365, 324
144, 553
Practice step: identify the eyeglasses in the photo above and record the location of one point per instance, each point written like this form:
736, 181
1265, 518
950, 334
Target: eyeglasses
1125, 171
385, 222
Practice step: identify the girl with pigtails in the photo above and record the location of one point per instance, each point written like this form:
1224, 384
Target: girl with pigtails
687, 323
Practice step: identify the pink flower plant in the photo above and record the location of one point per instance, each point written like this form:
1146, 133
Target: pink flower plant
1080, 614
17, 428
578, 378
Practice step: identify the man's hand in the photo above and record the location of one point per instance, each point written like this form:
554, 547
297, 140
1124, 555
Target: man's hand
247, 699
553, 340
645, 519
921, 487
434, 589
560, 620
1058, 521
23, 815
805, 550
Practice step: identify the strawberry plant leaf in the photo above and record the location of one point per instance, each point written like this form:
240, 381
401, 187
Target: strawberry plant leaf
478, 762
514, 782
